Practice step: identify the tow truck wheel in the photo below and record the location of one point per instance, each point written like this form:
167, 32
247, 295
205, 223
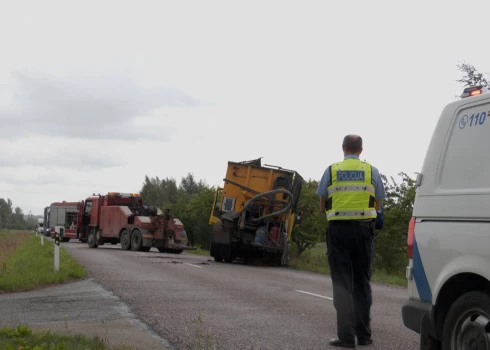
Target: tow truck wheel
125, 240
92, 243
467, 325
136, 240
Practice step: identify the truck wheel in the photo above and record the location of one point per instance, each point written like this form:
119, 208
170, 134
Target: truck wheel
125, 240
136, 240
285, 250
92, 243
215, 252
468, 323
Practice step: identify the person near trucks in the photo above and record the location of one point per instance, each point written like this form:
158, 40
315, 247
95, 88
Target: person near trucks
351, 192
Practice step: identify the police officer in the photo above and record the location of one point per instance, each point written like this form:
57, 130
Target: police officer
351, 193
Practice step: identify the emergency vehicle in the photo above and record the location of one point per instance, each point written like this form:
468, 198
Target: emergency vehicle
449, 234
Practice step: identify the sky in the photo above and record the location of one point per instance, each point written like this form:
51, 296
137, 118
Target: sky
96, 95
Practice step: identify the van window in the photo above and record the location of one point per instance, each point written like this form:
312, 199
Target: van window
466, 160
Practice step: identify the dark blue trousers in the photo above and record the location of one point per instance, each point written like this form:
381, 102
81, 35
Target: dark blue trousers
350, 248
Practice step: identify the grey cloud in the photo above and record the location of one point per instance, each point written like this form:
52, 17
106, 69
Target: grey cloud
60, 157
97, 108
33, 179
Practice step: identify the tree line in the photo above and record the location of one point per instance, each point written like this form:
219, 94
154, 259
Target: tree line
14, 218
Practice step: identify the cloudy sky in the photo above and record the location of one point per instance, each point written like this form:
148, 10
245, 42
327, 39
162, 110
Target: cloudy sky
95, 95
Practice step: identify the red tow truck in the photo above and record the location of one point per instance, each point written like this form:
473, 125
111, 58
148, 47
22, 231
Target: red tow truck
123, 218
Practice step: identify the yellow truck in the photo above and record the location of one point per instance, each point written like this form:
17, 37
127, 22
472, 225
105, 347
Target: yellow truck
253, 214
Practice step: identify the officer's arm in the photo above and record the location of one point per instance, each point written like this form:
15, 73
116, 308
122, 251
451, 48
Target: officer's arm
322, 189
379, 188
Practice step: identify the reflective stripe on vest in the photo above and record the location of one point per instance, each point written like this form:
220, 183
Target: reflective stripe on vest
351, 194
367, 188
358, 214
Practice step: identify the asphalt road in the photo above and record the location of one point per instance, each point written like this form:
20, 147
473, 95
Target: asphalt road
240, 307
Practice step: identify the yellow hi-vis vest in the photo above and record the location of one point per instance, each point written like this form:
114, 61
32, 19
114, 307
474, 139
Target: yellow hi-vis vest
351, 194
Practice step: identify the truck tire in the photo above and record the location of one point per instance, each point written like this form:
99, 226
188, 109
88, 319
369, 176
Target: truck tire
175, 251
285, 250
215, 252
92, 241
136, 240
467, 322
125, 240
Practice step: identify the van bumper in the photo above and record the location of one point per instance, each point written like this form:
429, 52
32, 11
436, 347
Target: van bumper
416, 315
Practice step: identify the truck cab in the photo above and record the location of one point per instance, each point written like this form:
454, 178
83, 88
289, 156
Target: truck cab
448, 270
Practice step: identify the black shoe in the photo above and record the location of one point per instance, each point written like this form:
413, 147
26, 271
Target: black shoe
364, 341
341, 344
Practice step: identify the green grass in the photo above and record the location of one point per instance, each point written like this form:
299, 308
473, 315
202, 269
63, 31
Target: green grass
315, 260
23, 338
198, 251
27, 264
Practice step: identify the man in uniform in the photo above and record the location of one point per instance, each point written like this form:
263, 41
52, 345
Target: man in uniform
351, 193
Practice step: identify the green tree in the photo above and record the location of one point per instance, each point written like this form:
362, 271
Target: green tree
5, 212
189, 185
391, 241
18, 218
194, 211
471, 76
314, 224
156, 191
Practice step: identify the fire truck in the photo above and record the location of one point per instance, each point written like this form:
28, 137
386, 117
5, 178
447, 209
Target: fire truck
124, 218
65, 215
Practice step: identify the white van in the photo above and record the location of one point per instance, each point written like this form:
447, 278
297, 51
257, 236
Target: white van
449, 235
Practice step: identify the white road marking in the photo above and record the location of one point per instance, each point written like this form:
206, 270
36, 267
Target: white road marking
316, 295
193, 265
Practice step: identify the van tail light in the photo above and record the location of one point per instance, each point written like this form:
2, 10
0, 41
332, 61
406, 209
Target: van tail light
411, 231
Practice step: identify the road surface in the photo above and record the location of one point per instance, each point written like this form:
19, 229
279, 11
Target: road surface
239, 306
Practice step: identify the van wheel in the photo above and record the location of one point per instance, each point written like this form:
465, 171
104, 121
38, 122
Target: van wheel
467, 325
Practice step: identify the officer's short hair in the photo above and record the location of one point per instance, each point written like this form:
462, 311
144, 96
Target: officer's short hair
352, 143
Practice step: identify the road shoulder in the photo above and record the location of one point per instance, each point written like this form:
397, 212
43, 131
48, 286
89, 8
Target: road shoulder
82, 307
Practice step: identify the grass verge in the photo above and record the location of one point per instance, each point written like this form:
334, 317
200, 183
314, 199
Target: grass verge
23, 338
198, 251
315, 260
27, 264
